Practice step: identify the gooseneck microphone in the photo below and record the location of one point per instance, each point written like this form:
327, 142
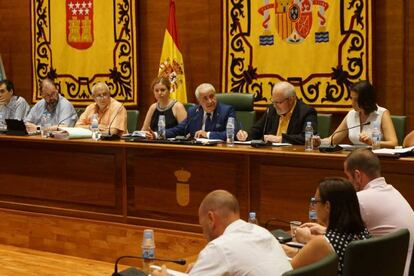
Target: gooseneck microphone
176, 261
333, 148
265, 124
110, 136
61, 121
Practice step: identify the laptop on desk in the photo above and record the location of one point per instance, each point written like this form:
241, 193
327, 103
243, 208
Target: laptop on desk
16, 127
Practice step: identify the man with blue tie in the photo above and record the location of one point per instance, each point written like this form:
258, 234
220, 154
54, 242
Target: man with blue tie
206, 120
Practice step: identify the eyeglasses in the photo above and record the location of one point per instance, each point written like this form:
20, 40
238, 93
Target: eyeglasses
314, 200
280, 102
102, 96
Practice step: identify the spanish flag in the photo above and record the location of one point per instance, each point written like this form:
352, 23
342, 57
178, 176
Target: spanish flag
171, 63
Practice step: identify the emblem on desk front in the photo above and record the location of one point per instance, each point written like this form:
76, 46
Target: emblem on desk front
182, 187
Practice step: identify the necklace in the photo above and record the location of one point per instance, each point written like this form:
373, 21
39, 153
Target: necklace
166, 107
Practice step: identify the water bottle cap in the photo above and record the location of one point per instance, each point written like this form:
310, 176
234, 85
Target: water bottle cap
148, 234
252, 215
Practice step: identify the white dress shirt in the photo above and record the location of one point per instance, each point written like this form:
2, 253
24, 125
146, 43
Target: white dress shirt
243, 249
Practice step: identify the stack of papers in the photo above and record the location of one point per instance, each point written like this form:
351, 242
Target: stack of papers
170, 271
395, 152
72, 133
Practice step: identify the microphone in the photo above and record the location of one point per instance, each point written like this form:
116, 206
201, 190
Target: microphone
61, 121
331, 147
116, 273
265, 124
110, 136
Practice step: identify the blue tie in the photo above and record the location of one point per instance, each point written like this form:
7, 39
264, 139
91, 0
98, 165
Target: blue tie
208, 125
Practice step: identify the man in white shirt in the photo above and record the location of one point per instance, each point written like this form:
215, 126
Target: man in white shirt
235, 247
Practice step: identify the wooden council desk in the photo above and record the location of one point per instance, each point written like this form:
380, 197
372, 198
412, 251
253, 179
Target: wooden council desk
160, 185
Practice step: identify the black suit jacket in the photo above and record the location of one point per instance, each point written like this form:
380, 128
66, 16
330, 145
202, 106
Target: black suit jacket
269, 123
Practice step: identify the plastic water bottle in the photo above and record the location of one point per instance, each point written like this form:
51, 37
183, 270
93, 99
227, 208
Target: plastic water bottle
376, 137
95, 127
308, 136
230, 131
161, 127
148, 249
252, 218
45, 124
313, 217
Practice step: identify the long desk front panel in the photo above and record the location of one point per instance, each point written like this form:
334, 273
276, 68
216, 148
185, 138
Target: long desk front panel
162, 185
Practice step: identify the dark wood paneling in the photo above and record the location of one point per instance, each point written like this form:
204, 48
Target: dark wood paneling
151, 178
49, 175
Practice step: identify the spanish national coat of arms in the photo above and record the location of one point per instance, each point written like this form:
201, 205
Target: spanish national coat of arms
320, 46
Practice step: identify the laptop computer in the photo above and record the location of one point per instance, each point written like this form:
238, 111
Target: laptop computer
16, 127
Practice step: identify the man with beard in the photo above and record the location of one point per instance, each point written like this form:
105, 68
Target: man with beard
60, 110
285, 120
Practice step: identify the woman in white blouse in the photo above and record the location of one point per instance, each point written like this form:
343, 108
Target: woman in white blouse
365, 110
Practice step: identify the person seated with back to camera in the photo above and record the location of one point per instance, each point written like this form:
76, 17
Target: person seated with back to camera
173, 110
285, 119
235, 247
11, 105
365, 109
206, 120
337, 207
110, 113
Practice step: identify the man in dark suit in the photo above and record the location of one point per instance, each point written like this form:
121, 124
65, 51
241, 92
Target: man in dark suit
284, 120
206, 120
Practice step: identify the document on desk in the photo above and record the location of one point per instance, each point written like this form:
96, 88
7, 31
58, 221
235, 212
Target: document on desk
273, 144
170, 272
395, 152
72, 133
209, 141
353, 147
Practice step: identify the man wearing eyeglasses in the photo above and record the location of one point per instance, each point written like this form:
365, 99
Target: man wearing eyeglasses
110, 113
284, 120
59, 110
11, 105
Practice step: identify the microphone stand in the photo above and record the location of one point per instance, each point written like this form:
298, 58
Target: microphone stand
333, 148
109, 136
116, 273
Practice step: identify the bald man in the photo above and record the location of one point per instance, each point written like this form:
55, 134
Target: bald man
111, 113
235, 247
61, 111
285, 119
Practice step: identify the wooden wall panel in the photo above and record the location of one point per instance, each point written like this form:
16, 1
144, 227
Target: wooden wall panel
91, 239
200, 33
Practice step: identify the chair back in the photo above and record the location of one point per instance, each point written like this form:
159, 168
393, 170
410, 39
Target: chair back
132, 120
79, 111
243, 105
326, 267
379, 256
324, 125
188, 105
399, 125
412, 264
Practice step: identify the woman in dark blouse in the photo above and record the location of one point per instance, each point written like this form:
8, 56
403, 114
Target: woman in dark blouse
337, 207
173, 110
